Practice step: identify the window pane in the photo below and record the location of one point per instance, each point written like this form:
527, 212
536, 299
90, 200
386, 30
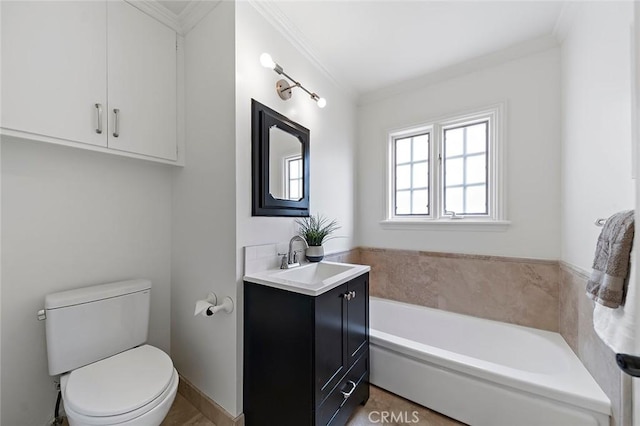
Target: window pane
476, 200
420, 201
421, 147
403, 177
453, 200
294, 190
403, 150
477, 138
476, 169
453, 172
453, 142
420, 175
403, 202
294, 169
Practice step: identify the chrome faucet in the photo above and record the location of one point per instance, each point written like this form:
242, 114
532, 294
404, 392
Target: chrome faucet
292, 258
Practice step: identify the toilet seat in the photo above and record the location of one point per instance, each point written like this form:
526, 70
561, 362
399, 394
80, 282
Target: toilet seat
120, 388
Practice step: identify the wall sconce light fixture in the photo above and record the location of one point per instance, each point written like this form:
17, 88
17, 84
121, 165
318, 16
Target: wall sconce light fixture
283, 87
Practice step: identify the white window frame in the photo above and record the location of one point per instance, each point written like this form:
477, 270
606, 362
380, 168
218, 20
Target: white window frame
412, 132
287, 175
496, 218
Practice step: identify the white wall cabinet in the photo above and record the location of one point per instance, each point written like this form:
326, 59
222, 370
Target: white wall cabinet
54, 69
142, 83
96, 75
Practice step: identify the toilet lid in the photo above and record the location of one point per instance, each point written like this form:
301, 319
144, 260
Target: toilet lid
120, 383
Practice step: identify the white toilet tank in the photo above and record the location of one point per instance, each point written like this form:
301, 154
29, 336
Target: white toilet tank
92, 323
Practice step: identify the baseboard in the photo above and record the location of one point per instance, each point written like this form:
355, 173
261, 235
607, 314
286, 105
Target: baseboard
207, 406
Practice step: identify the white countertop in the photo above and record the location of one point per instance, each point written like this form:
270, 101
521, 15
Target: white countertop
311, 279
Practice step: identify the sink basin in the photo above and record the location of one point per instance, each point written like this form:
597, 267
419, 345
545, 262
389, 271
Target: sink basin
311, 279
314, 272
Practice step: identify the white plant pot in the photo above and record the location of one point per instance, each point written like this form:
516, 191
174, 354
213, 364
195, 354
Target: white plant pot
315, 253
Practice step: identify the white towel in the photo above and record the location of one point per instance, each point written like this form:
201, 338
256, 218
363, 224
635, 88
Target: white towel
616, 327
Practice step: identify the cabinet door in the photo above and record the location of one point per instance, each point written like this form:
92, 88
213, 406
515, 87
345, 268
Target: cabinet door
54, 69
330, 341
142, 83
358, 318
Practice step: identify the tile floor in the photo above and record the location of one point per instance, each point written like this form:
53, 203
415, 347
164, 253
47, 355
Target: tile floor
183, 413
381, 401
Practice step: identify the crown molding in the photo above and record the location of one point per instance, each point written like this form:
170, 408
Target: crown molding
565, 20
183, 23
159, 12
194, 12
278, 19
492, 59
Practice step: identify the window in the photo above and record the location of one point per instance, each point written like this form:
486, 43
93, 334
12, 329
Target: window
412, 175
293, 177
465, 149
448, 169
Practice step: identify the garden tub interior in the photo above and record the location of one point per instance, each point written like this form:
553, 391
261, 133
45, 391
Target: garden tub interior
479, 371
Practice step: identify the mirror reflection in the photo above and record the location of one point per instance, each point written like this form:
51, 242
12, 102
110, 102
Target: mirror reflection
285, 165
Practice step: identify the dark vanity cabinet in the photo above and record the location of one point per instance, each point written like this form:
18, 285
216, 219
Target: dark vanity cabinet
306, 358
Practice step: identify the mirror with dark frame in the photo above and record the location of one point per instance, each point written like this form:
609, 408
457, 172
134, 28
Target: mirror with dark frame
280, 164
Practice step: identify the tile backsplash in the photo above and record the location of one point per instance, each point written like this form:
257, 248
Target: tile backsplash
263, 257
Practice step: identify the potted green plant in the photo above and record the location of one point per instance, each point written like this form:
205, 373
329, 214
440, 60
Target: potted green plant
315, 230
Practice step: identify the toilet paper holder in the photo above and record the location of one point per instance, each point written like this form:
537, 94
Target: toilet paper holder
209, 306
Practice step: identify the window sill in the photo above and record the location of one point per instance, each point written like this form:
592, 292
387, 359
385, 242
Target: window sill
446, 224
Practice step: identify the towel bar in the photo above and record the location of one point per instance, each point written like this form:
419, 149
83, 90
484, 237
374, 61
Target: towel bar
600, 222
629, 364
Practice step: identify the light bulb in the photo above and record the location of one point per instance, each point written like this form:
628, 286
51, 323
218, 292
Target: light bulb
267, 61
322, 102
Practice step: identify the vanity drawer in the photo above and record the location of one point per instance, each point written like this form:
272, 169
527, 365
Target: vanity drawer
356, 382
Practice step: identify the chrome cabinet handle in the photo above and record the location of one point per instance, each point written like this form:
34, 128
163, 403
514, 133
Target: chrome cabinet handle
348, 394
116, 125
99, 116
349, 295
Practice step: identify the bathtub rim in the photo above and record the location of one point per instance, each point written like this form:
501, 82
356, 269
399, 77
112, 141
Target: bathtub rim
595, 399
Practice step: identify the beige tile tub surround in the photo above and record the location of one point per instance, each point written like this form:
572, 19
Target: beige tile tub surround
537, 293
349, 256
576, 326
513, 290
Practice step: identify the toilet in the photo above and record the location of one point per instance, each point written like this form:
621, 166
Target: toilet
96, 341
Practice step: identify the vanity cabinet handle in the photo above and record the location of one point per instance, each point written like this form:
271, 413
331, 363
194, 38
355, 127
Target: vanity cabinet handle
116, 126
348, 394
99, 118
349, 295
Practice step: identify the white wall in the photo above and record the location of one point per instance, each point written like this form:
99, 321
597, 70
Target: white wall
531, 88
0, 234
72, 218
204, 213
332, 140
332, 128
212, 196
596, 116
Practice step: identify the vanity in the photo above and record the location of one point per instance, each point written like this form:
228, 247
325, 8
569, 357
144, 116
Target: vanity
306, 344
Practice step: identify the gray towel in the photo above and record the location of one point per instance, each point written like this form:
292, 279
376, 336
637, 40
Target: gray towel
608, 281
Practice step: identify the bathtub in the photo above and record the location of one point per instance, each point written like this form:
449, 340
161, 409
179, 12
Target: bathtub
481, 372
